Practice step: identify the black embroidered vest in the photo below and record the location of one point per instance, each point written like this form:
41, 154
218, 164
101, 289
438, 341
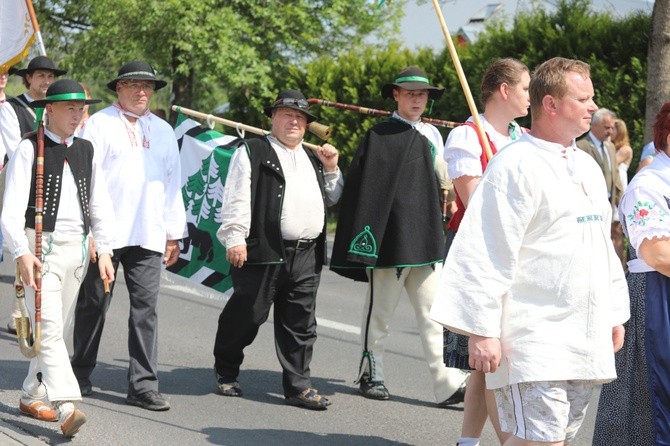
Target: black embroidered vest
24, 115
264, 244
79, 156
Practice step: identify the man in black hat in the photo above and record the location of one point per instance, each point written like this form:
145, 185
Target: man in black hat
274, 230
390, 234
22, 118
140, 157
76, 201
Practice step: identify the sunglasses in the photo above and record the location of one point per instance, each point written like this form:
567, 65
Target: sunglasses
300, 103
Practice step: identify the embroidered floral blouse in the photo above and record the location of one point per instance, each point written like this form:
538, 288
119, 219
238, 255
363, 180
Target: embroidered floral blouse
645, 207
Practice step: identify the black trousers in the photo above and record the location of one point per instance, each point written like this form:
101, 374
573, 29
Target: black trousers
292, 287
141, 268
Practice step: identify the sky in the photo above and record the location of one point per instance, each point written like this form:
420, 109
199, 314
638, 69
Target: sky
420, 26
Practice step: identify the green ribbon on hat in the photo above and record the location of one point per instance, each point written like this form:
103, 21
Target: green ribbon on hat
67, 97
412, 79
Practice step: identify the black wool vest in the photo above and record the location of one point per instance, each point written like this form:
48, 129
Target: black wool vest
264, 244
25, 115
79, 157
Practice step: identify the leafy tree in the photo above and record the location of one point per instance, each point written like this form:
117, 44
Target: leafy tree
210, 49
612, 46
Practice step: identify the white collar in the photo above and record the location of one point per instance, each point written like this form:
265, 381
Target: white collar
275, 142
52, 136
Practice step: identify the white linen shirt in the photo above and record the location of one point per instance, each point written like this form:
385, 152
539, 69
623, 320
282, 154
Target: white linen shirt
144, 182
70, 219
533, 265
642, 207
463, 152
302, 209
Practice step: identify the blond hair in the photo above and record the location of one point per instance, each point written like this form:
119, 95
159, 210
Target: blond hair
621, 139
549, 79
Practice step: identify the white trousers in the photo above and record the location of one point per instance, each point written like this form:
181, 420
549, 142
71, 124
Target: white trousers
64, 266
384, 290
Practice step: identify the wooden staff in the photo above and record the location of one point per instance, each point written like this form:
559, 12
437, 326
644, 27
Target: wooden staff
464, 82
236, 125
22, 323
377, 112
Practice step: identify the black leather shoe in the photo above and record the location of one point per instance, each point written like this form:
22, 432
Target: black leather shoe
375, 390
457, 398
150, 400
85, 386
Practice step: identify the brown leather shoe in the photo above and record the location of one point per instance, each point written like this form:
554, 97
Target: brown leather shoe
39, 411
73, 423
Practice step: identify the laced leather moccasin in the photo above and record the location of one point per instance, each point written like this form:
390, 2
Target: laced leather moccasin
39, 411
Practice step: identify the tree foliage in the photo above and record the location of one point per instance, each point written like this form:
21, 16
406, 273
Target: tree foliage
244, 51
210, 49
614, 47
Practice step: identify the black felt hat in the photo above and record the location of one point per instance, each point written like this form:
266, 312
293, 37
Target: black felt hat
137, 70
412, 78
40, 63
291, 99
64, 90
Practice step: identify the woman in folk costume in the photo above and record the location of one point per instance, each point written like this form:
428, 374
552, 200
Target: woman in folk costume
504, 96
76, 201
635, 408
390, 233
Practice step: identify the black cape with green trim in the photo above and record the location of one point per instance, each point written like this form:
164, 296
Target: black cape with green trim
390, 212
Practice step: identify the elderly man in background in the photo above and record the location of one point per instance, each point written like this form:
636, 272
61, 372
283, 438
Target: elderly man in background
597, 144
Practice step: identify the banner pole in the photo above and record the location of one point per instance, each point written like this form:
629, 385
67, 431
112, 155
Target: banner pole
236, 125
36, 27
464, 82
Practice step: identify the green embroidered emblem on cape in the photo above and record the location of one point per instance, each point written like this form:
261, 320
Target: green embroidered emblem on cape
364, 244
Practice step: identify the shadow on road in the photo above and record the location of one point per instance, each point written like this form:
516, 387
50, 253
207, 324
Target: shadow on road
276, 437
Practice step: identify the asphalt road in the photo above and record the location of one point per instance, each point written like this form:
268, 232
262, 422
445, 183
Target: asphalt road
199, 416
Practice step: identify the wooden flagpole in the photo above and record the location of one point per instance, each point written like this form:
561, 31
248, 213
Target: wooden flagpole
464, 82
36, 27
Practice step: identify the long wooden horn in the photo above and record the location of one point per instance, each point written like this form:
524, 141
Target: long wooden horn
31, 349
464, 82
377, 112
